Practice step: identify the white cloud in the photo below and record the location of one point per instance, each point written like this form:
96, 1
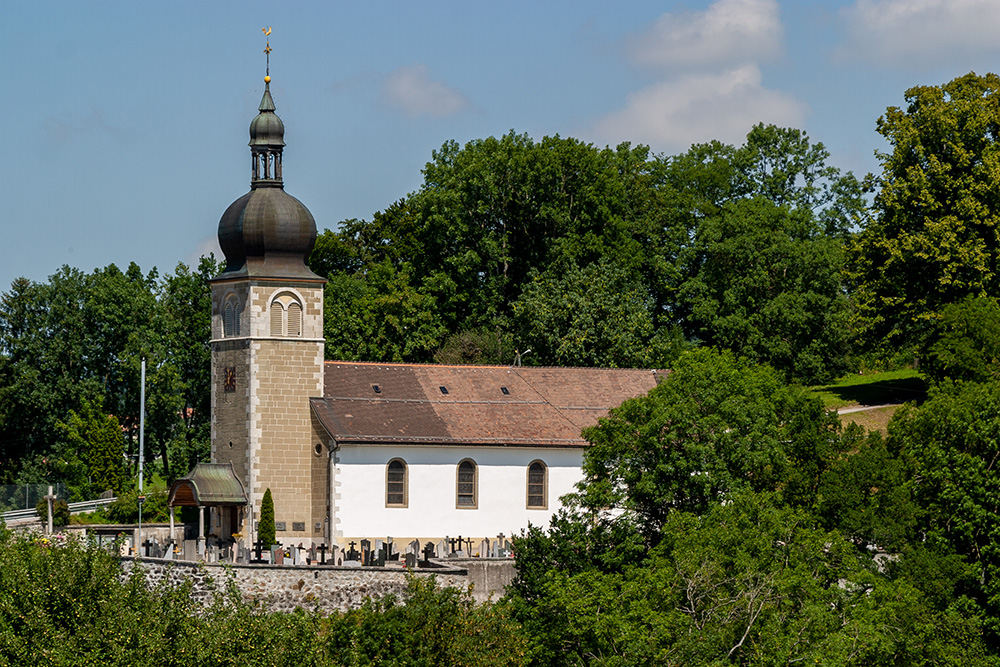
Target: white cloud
671, 115
412, 90
205, 246
728, 32
918, 32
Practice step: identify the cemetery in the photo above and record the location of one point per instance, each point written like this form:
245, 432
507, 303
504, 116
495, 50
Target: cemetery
328, 578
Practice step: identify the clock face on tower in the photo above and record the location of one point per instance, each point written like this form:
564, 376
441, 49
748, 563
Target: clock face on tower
229, 378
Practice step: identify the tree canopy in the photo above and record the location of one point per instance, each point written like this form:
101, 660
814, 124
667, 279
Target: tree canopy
70, 356
593, 256
933, 237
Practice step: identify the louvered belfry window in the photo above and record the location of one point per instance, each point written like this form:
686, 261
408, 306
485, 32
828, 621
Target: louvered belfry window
395, 484
286, 316
537, 474
294, 320
229, 320
465, 496
277, 318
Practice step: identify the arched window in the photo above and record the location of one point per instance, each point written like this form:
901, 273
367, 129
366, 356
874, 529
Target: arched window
395, 483
231, 317
538, 486
466, 487
286, 316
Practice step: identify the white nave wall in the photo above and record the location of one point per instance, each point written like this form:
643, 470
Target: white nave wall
360, 486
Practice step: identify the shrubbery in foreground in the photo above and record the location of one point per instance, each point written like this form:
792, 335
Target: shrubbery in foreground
64, 602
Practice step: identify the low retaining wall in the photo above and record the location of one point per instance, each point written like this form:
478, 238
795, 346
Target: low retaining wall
489, 577
289, 587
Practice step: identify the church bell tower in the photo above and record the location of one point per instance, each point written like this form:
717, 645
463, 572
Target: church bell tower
267, 347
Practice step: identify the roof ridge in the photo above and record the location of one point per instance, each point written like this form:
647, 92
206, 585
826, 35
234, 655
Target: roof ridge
419, 364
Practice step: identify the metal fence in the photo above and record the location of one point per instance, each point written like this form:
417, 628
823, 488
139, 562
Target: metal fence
26, 496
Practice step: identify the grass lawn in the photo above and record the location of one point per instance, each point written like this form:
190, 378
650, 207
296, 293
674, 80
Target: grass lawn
888, 389
874, 389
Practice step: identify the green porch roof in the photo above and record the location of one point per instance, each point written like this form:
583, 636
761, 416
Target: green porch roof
208, 484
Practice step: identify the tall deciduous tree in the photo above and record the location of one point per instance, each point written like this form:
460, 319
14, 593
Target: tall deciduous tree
935, 234
768, 286
714, 426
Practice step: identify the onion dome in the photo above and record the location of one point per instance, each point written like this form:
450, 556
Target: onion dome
267, 233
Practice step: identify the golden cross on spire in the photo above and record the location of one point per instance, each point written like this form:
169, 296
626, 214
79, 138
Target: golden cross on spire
267, 53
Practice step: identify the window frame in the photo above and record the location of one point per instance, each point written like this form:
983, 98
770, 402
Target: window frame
405, 482
544, 490
459, 495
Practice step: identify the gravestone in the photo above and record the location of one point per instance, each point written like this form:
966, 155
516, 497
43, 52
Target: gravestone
366, 552
353, 557
484, 548
428, 554
322, 553
277, 555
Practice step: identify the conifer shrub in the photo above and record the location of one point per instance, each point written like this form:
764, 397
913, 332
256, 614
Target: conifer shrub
265, 531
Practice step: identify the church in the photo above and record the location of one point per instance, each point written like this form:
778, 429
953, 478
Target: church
353, 450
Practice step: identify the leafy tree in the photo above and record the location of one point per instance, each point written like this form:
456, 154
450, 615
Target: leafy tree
78, 340
933, 239
758, 268
865, 495
750, 582
125, 509
381, 316
952, 444
714, 426
768, 287
187, 304
967, 342
98, 438
265, 529
598, 315
477, 346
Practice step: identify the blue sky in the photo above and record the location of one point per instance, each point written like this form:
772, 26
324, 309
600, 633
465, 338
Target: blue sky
127, 121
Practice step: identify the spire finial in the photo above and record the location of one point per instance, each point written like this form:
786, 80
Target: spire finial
267, 53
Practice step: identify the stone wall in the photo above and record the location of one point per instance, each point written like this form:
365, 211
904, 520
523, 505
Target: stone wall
286, 587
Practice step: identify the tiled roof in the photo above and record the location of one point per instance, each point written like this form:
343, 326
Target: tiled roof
542, 406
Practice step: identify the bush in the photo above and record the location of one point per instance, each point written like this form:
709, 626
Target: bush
60, 512
126, 508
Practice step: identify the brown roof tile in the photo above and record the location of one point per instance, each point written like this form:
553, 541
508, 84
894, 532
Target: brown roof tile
542, 406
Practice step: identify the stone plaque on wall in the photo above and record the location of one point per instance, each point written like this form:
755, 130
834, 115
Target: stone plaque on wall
299, 526
280, 525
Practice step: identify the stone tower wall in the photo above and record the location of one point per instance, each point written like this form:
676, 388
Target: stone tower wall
268, 418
